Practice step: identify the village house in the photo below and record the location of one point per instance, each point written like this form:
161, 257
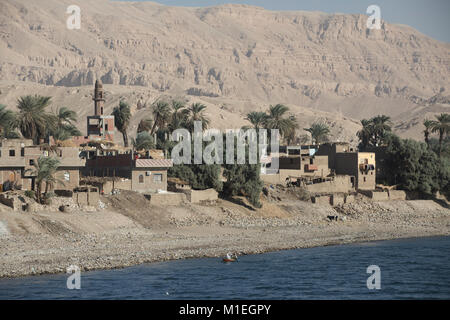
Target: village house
343, 160
129, 171
18, 157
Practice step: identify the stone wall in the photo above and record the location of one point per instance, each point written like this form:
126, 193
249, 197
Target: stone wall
339, 184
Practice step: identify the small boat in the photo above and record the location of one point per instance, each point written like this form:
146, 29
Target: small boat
230, 258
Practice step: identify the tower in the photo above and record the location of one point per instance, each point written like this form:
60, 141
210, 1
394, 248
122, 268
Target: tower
99, 126
98, 98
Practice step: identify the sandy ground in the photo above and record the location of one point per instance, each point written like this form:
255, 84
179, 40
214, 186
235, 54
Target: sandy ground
135, 232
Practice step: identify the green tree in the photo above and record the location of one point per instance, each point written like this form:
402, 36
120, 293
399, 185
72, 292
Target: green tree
277, 119
32, 119
179, 115
44, 170
319, 132
161, 115
196, 112
442, 126
144, 141
122, 116
258, 119
7, 120
414, 167
374, 131
428, 124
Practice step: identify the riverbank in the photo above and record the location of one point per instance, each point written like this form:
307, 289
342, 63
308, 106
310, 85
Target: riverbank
115, 237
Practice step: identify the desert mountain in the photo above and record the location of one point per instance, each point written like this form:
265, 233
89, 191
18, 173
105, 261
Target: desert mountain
233, 58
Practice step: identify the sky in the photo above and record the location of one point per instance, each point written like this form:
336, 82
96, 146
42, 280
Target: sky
431, 17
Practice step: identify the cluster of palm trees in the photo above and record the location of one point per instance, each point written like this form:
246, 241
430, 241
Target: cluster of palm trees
374, 131
34, 121
441, 126
276, 117
167, 117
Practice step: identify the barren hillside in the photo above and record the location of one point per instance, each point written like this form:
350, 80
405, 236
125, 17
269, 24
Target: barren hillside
234, 58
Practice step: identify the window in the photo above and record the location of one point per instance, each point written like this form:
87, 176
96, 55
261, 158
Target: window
12, 153
311, 161
157, 177
22, 152
31, 162
365, 179
67, 176
141, 178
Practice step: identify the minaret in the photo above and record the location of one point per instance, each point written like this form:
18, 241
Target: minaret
98, 98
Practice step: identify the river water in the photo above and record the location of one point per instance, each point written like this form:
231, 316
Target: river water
409, 269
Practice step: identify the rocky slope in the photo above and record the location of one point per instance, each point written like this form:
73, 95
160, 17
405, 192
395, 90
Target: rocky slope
235, 58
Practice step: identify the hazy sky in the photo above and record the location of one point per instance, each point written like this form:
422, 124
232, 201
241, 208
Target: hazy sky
430, 17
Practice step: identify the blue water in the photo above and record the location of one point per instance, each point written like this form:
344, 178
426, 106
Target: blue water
410, 269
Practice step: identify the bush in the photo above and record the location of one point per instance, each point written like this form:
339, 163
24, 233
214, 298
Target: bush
29, 194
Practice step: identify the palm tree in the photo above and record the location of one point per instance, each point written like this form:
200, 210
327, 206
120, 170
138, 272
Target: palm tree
64, 124
32, 120
365, 134
161, 115
66, 116
44, 170
179, 115
196, 112
428, 127
257, 118
145, 125
276, 120
122, 116
7, 119
319, 132
442, 126
380, 125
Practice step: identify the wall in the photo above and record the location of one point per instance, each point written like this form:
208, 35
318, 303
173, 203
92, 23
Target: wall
167, 199
148, 185
340, 184
197, 196
62, 183
86, 198
397, 195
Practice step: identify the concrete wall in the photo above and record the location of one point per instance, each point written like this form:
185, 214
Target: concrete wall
271, 178
148, 182
197, 196
122, 184
167, 199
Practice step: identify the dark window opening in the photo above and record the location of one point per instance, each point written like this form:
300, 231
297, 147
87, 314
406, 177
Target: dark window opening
141, 178
12, 153
31, 162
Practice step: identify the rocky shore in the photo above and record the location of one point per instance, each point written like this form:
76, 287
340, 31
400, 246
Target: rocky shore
49, 242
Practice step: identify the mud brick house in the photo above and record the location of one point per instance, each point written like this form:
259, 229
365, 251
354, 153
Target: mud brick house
144, 175
361, 166
17, 159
